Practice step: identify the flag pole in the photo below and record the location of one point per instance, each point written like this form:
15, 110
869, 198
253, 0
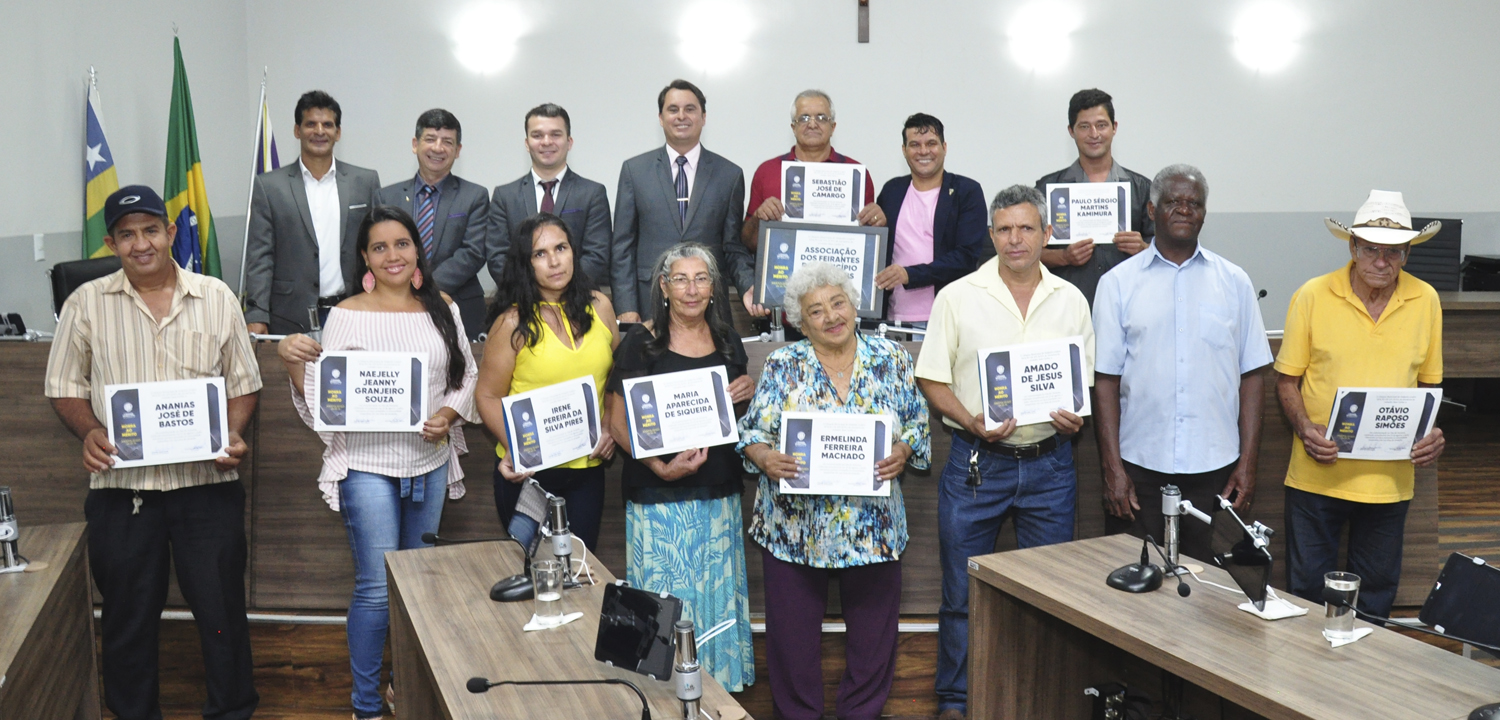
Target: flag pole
260, 109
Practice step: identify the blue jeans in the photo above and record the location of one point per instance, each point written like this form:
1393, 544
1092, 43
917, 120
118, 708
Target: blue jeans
1039, 494
381, 514
1314, 525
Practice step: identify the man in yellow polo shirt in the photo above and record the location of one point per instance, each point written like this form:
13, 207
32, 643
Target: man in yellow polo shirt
1367, 324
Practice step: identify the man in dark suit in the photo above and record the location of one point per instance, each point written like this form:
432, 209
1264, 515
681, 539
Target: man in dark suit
1091, 124
937, 220
679, 193
304, 218
450, 213
552, 187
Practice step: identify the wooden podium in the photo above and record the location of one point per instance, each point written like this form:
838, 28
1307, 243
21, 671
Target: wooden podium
47, 664
445, 630
1043, 626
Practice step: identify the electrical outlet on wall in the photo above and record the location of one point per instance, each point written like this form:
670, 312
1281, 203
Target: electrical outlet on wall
38, 247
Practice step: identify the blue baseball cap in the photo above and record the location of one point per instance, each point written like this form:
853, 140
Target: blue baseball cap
132, 199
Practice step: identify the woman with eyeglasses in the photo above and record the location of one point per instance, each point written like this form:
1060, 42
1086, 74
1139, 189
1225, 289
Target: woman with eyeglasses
547, 325
389, 486
682, 512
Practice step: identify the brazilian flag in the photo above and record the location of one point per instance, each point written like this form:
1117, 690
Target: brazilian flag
196, 247
99, 179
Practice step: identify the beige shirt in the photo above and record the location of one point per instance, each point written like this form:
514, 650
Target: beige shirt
977, 312
106, 336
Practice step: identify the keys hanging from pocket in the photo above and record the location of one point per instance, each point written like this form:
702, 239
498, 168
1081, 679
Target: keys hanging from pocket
973, 479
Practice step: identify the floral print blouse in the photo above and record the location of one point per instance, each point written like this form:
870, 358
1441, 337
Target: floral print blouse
833, 531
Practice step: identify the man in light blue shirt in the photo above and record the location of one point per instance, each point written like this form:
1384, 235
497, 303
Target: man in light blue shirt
1180, 351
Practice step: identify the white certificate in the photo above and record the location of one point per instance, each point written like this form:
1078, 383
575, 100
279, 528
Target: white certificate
552, 425
1087, 210
1028, 382
836, 452
679, 411
1381, 423
361, 391
822, 192
159, 423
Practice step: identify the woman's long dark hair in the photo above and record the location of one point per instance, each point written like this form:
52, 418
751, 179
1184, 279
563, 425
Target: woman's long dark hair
431, 297
719, 326
518, 287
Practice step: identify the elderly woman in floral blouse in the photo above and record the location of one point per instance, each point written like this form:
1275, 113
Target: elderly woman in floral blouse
807, 539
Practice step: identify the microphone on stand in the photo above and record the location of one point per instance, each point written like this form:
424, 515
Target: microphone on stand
10, 556
479, 685
1173, 568
512, 589
562, 537
1171, 510
687, 677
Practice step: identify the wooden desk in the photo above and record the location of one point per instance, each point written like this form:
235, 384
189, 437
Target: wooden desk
445, 630
1043, 626
47, 664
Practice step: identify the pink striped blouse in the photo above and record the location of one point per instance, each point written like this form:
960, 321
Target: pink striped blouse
395, 454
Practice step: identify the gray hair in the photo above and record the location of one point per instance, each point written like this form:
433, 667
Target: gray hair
1180, 171
1019, 195
809, 277
813, 93
682, 251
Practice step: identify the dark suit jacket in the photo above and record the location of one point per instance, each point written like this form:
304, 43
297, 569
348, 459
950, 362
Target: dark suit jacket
959, 230
281, 252
583, 206
647, 222
458, 232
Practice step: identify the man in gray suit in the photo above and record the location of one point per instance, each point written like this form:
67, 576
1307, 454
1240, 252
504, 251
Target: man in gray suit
303, 222
450, 213
552, 187
678, 193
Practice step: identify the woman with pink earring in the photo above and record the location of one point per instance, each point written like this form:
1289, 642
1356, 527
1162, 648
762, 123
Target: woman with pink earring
389, 486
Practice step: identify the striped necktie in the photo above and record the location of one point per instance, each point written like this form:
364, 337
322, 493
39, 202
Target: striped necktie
682, 188
426, 216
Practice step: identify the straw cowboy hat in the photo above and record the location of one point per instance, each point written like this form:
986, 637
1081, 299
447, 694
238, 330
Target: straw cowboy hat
1383, 220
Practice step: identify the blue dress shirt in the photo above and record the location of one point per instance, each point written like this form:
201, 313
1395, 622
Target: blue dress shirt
1179, 337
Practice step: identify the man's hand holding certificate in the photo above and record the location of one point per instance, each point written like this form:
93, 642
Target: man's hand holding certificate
1381, 423
822, 192
836, 453
1029, 382
161, 423
552, 425
1093, 211
678, 411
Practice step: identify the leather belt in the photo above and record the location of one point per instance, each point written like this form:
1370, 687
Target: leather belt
329, 301
1019, 452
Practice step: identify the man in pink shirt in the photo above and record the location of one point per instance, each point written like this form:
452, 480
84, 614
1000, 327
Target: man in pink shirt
938, 220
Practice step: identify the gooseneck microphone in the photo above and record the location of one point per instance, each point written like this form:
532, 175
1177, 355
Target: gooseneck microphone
1141, 577
479, 685
1333, 597
515, 588
687, 676
1173, 568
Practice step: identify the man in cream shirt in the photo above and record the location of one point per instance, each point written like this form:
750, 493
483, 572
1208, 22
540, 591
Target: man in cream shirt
1025, 470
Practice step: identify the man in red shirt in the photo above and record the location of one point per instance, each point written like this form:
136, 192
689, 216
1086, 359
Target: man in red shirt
812, 124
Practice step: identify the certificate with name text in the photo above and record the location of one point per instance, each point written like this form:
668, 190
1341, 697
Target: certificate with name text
161, 423
1029, 381
361, 391
552, 425
1095, 211
1381, 423
822, 192
836, 452
678, 411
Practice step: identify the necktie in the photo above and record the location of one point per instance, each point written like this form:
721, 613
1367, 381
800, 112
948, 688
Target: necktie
426, 215
547, 202
682, 188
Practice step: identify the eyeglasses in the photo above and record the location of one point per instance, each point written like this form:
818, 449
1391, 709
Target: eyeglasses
822, 118
1371, 253
680, 282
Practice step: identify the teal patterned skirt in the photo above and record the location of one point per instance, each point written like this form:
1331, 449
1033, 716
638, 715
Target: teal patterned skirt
694, 548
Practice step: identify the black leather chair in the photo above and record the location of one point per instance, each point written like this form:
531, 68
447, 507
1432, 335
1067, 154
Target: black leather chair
69, 276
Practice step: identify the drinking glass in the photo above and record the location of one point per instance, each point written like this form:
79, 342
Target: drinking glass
1338, 620
548, 580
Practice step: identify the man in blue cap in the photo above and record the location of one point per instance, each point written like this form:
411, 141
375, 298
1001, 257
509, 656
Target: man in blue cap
150, 322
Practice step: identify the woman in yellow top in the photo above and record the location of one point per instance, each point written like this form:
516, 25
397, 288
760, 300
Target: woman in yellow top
547, 325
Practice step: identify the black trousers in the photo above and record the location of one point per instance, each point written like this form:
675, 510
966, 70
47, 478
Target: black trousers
1200, 488
202, 531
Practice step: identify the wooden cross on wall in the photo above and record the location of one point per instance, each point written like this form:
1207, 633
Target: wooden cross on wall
864, 21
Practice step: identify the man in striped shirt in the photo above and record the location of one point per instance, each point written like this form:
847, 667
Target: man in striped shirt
150, 322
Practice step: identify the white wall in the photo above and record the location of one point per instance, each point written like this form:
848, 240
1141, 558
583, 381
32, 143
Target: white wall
1387, 94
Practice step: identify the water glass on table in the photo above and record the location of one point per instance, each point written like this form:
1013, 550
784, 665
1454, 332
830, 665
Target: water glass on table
1338, 619
548, 579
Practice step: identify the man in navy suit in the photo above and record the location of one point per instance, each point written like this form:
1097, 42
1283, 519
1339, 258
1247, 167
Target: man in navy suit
450, 213
675, 194
555, 188
937, 220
